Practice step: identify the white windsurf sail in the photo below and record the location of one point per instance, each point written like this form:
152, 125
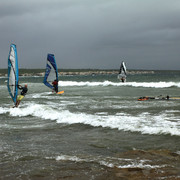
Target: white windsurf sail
122, 71
13, 73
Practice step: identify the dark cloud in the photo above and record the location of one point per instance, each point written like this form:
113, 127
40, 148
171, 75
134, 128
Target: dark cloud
92, 33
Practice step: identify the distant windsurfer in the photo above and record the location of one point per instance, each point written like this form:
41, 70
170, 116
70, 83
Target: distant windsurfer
167, 97
123, 79
156, 98
21, 96
55, 85
122, 72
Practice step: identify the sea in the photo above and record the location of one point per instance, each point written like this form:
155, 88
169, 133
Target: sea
96, 129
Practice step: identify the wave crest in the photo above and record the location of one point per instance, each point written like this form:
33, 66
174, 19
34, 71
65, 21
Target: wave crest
160, 84
145, 123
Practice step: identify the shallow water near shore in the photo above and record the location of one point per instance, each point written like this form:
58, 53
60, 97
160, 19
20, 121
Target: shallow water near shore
97, 129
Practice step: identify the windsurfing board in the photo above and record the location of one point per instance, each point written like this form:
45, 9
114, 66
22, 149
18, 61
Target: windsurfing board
60, 92
176, 98
13, 107
157, 98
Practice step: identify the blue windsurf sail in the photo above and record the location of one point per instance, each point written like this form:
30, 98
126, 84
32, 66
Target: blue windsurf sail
13, 73
51, 72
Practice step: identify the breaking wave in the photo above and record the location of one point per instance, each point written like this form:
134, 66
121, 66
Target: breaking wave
133, 84
164, 123
111, 162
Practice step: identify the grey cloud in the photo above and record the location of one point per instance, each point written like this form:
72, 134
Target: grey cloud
92, 33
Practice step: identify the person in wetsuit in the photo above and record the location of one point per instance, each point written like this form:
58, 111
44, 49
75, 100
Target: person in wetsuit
55, 85
21, 96
123, 79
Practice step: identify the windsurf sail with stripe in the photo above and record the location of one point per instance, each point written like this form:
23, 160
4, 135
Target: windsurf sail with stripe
13, 73
51, 73
122, 71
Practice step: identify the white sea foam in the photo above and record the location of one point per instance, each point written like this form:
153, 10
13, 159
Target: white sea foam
134, 84
46, 95
145, 123
111, 162
3, 110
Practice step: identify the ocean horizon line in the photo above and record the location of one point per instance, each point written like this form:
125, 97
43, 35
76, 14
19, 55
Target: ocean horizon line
92, 69
41, 72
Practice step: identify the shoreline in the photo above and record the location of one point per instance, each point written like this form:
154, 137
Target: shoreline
40, 72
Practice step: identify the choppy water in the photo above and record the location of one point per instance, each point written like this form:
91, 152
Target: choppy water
95, 128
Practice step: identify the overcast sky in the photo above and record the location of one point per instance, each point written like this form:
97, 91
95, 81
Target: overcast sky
92, 33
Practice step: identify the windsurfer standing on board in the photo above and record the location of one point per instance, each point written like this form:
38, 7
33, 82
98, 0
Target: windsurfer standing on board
123, 79
55, 85
21, 96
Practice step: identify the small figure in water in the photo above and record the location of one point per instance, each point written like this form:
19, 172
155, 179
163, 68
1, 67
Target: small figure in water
123, 79
166, 97
55, 85
23, 93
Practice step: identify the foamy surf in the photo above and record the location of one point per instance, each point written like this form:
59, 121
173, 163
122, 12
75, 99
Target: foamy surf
133, 84
164, 123
111, 162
